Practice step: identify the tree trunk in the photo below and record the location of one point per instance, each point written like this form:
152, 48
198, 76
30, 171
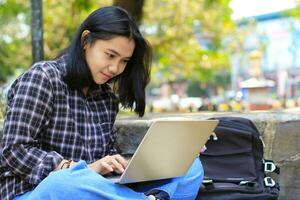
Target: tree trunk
134, 7
37, 30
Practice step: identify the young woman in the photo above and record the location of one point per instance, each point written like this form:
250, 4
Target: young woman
58, 137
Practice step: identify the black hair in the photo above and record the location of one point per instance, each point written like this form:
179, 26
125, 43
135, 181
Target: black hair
105, 24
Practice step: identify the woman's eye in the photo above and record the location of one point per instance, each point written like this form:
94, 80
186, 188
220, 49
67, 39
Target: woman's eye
109, 55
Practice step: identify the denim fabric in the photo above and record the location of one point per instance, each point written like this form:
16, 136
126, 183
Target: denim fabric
80, 182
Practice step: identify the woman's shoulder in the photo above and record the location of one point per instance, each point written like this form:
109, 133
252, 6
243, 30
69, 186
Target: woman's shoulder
42, 72
52, 69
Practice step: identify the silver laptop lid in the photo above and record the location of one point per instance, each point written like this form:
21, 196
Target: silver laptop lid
168, 149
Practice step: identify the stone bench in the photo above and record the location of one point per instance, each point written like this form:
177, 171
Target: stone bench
280, 131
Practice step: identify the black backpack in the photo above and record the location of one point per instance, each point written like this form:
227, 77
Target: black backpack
233, 164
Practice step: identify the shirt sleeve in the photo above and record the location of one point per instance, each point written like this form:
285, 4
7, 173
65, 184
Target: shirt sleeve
29, 104
113, 135
112, 142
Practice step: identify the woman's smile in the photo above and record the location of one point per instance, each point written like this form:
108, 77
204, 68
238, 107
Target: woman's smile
106, 75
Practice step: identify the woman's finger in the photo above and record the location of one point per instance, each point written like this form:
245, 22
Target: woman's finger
121, 160
106, 168
116, 165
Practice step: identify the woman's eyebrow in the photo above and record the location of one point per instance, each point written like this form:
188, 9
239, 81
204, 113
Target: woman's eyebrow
117, 53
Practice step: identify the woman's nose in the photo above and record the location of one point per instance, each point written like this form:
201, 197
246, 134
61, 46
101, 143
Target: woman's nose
113, 68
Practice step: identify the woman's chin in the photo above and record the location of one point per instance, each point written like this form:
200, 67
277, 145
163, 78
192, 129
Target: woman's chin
99, 82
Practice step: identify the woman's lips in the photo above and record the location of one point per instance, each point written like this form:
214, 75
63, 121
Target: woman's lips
106, 75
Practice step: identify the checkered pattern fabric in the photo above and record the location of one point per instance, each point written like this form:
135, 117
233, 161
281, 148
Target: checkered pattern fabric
47, 122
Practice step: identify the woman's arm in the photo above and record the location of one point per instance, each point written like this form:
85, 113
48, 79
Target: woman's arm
29, 104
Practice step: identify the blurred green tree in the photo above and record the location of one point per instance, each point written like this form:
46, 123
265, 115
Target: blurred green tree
187, 38
134, 7
61, 19
14, 40
186, 35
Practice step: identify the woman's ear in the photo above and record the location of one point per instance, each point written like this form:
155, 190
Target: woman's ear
83, 37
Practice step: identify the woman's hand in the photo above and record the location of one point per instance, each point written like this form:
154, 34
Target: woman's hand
62, 164
107, 164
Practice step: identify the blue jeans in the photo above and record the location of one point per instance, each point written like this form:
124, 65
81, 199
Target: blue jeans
81, 182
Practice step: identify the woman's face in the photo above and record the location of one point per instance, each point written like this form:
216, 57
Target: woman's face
108, 58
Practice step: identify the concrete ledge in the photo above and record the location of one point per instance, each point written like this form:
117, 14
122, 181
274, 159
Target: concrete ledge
280, 131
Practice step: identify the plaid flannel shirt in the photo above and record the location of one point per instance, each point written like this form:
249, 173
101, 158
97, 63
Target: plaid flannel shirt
47, 122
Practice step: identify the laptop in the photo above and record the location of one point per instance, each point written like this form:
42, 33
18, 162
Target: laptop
167, 150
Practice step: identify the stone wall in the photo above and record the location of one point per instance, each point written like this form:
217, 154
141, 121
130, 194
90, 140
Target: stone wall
280, 131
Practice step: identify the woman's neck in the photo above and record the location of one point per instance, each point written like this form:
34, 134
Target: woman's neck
85, 91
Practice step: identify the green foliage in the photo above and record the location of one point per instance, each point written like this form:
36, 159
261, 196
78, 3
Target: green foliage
14, 37
2, 106
176, 27
9, 9
186, 35
61, 20
294, 12
195, 90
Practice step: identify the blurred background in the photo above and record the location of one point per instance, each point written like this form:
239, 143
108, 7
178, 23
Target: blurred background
209, 55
